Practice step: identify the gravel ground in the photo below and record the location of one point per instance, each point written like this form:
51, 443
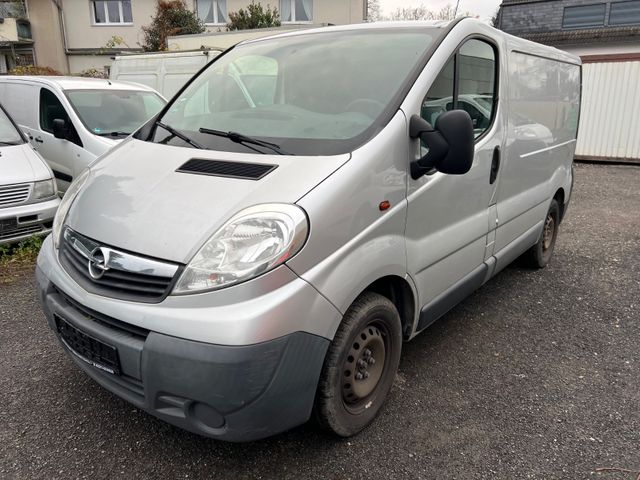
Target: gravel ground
534, 376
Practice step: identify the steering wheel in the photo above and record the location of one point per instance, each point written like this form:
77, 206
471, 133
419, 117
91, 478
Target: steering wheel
367, 106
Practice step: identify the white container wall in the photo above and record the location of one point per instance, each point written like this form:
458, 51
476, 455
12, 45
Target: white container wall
609, 118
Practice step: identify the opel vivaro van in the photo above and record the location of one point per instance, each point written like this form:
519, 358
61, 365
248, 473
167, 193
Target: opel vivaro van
28, 197
70, 120
259, 251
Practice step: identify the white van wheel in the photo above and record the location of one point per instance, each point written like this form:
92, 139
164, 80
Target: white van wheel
360, 366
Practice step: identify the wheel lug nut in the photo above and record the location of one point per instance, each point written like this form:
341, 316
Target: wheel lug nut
367, 353
359, 376
362, 363
366, 374
371, 361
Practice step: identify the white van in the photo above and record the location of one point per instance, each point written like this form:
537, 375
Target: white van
260, 250
164, 72
70, 121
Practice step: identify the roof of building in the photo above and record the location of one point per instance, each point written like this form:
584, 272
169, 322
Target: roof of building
583, 36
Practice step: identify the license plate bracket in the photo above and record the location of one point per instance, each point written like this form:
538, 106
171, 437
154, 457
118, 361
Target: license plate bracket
87, 348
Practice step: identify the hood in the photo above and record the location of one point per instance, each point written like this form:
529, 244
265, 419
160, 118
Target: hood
135, 200
20, 164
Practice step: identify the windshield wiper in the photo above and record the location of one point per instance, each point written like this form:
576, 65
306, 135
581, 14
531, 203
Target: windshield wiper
245, 140
181, 136
114, 134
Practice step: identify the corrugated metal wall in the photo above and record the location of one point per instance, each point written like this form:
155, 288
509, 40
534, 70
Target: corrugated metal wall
610, 113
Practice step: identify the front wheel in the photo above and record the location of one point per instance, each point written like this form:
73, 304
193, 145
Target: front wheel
360, 366
540, 254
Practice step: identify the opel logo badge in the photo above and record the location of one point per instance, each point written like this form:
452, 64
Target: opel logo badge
98, 263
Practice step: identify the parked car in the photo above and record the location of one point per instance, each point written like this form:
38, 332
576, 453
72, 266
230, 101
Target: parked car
71, 121
260, 249
165, 72
28, 197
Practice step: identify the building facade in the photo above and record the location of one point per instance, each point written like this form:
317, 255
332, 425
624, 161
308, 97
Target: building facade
74, 35
606, 35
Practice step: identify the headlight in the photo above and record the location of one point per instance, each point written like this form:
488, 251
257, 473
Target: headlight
65, 204
253, 242
44, 189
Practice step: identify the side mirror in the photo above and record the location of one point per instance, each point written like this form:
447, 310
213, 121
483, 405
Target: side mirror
60, 128
451, 143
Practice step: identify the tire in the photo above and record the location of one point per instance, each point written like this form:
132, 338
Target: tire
539, 255
360, 366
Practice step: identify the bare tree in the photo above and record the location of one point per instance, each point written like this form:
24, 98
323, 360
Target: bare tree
447, 12
374, 12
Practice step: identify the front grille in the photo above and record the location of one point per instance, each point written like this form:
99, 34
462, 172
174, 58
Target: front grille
14, 194
126, 328
114, 282
20, 231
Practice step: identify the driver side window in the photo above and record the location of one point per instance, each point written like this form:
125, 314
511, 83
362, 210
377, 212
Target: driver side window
467, 82
51, 109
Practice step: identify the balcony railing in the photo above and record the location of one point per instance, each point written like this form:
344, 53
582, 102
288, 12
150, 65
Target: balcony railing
14, 9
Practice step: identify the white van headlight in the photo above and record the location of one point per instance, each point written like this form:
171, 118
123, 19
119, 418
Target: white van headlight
65, 204
254, 241
44, 189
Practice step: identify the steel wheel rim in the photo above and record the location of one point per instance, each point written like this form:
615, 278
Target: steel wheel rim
364, 366
549, 232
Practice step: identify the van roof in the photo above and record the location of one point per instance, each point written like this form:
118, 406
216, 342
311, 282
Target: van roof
468, 23
77, 83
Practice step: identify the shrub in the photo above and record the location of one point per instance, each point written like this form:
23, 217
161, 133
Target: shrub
172, 17
33, 70
255, 16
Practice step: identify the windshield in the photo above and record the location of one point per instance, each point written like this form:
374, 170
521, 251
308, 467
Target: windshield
9, 135
114, 112
312, 94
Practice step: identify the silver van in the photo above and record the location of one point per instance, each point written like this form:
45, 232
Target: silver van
28, 196
259, 251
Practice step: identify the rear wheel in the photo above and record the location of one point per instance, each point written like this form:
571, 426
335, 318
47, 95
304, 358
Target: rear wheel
540, 254
360, 366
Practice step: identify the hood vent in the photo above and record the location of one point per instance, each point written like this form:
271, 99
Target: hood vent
218, 168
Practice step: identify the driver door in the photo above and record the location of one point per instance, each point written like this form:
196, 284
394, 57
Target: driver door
59, 153
449, 216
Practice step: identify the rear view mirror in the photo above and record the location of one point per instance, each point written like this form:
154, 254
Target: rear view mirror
451, 143
60, 128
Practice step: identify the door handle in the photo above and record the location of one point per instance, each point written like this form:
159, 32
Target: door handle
495, 165
39, 140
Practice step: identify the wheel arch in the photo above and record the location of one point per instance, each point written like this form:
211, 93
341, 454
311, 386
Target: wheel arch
402, 295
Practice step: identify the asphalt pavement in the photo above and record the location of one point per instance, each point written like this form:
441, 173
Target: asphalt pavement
536, 376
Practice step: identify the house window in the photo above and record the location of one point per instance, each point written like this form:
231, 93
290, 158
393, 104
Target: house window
625, 13
296, 11
106, 12
212, 11
584, 16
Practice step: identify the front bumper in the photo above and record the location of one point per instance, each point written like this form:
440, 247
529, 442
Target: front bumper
234, 393
32, 219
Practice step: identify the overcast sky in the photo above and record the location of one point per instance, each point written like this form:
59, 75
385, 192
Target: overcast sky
484, 8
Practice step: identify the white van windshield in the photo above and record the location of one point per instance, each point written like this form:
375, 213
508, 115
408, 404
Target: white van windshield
315, 94
9, 135
114, 113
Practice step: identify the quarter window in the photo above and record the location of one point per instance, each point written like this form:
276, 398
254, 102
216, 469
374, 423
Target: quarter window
466, 83
212, 11
106, 12
584, 16
296, 10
